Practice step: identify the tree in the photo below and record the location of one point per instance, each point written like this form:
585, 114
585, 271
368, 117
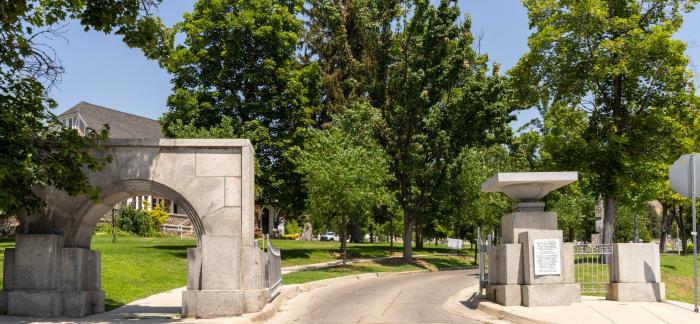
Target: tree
464, 205
436, 83
237, 71
615, 65
413, 61
574, 210
34, 149
345, 178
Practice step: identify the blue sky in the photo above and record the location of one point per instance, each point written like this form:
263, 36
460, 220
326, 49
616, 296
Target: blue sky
101, 70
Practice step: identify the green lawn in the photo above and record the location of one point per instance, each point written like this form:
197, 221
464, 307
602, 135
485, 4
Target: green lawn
677, 273
302, 252
387, 265
137, 267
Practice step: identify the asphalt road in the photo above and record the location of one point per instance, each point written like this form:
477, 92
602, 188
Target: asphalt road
415, 298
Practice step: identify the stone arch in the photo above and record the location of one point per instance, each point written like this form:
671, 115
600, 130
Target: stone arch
52, 271
80, 232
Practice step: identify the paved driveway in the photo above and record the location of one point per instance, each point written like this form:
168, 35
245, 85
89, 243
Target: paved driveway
416, 298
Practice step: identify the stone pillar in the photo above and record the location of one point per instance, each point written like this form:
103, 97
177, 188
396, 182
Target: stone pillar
45, 279
225, 274
635, 273
519, 273
512, 280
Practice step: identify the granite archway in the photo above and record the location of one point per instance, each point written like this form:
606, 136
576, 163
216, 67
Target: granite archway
52, 271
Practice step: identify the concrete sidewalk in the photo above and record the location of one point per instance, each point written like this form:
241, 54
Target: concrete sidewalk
590, 310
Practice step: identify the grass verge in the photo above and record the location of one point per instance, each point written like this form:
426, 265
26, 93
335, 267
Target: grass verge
677, 273
302, 252
432, 263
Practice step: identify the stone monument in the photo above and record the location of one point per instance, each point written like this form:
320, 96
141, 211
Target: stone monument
53, 272
532, 266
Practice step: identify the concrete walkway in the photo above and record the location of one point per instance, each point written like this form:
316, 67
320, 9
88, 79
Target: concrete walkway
590, 310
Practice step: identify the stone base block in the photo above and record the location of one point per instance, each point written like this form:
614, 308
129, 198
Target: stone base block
491, 292
505, 264
82, 303
3, 302
515, 223
36, 303
220, 303
507, 295
636, 291
49, 303
527, 240
636, 262
550, 295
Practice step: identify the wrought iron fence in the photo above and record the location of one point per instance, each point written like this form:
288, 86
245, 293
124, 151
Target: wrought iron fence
592, 264
483, 244
273, 268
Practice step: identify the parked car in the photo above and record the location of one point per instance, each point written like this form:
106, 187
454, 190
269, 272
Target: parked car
330, 236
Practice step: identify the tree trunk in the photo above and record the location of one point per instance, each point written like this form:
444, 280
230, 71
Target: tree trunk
419, 230
609, 220
636, 225
572, 234
665, 225
343, 242
407, 220
678, 214
459, 235
391, 234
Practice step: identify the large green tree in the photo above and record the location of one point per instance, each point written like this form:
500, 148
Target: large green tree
345, 172
414, 62
34, 149
436, 84
238, 61
612, 66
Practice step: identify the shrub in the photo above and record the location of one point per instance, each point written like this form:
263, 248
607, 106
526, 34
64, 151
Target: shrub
103, 228
157, 214
689, 249
136, 221
292, 227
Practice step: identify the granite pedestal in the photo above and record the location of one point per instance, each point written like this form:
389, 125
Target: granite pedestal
512, 277
636, 273
44, 278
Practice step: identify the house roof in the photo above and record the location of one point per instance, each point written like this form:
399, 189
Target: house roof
121, 124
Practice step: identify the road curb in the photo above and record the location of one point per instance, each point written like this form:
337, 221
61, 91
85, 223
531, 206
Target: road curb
495, 313
503, 313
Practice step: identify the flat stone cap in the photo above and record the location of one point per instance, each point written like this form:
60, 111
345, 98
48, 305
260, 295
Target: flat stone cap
528, 186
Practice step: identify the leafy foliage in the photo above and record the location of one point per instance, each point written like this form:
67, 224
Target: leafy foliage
136, 221
614, 89
464, 204
236, 76
34, 150
292, 227
157, 214
345, 178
